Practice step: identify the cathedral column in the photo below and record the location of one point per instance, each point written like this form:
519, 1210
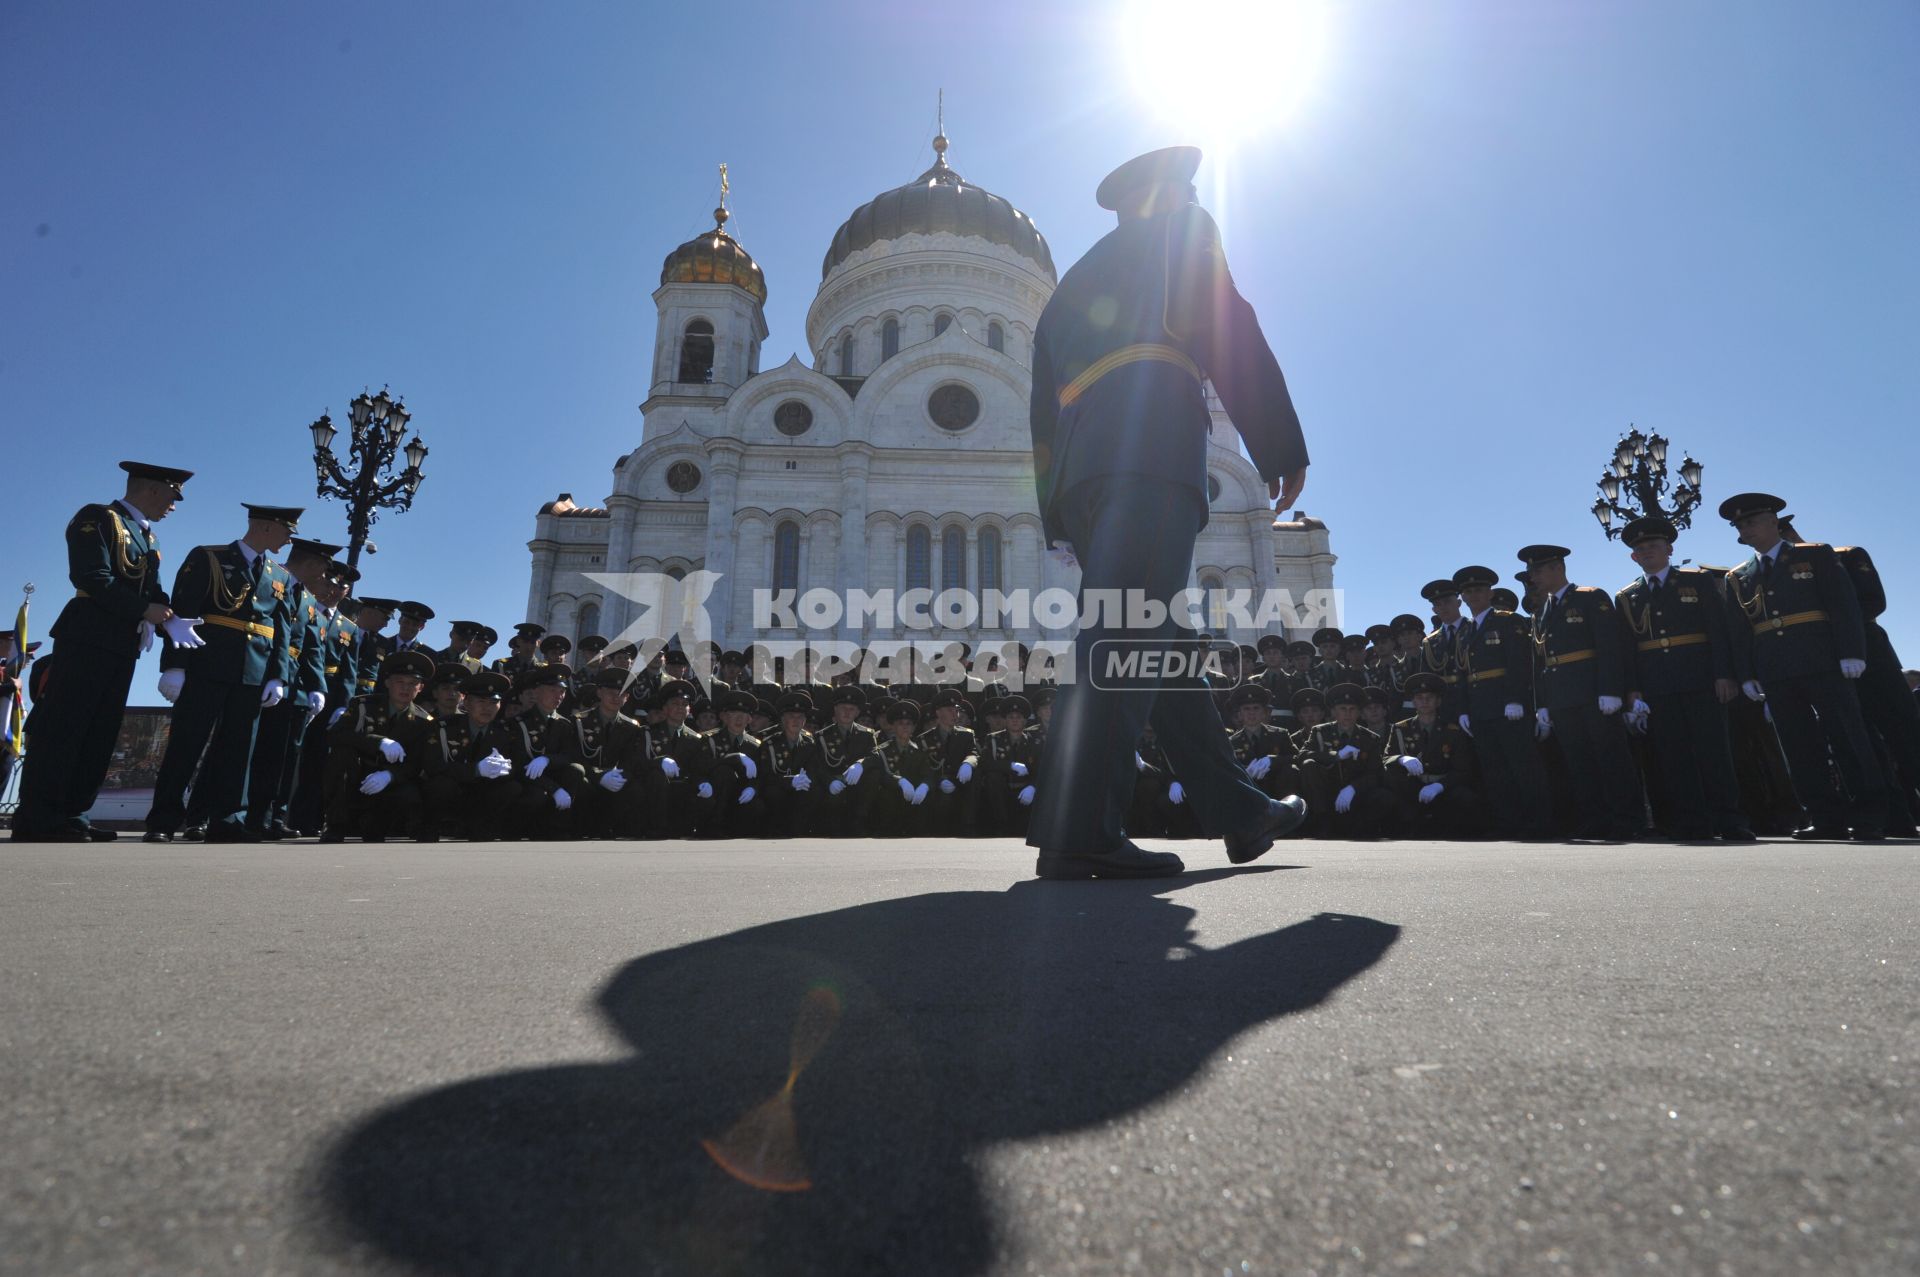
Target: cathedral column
1260, 537
621, 513
540, 589
723, 480
856, 460
1026, 569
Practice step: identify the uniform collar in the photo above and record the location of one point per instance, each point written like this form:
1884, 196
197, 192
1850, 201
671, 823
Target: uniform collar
1661, 576
247, 552
146, 525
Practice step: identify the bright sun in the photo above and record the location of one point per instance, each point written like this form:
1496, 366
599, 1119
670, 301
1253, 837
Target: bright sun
1222, 72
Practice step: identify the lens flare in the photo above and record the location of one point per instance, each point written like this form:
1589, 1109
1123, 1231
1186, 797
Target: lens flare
1222, 72
762, 1149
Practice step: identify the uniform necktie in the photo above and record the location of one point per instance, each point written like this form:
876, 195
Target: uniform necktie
1653, 584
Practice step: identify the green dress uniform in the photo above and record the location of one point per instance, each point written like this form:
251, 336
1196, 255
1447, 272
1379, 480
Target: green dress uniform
357, 753
249, 629
728, 766
1795, 618
1495, 655
553, 767
791, 803
277, 742
671, 777
113, 561
604, 745
909, 769
459, 795
1443, 756
340, 648
848, 757
954, 753
1334, 760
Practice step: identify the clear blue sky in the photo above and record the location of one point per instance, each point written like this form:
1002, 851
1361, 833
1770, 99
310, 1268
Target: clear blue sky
1490, 236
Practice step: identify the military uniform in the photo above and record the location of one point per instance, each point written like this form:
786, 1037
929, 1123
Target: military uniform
376, 751
1677, 653
1796, 618
282, 731
795, 774
470, 772
1892, 717
899, 807
1495, 656
1264, 750
954, 754
1340, 767
113, 562
726, 798
1580, 688
611, 750
851, 771
340, 662
671, 766
1431, 771
249, 630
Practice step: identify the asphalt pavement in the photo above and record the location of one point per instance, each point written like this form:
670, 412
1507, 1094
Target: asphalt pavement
734, 1058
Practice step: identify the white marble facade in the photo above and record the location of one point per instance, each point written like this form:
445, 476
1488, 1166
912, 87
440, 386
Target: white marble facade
834, 472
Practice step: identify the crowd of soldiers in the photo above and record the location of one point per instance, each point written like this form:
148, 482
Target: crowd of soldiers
1693, 704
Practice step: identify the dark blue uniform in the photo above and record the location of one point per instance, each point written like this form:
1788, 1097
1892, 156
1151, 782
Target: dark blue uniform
114, 565
1495, 659
1120, 434
1577, 643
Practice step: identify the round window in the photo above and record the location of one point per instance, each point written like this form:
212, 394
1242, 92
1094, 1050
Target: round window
1213, 489
953, 407
683, 476
793, 418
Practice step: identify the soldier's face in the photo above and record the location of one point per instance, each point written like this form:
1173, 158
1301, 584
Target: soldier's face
947, 715
270, 535
153, 499
1547, 577
483, 709
1653, 556
1303, 662
1346, 715
676, 710
1252, 714
843, 715
1016, 722
372, 620
1478, 597
1310, 715
793, 722
547, 698
735, 720
903, 728
1758, 530
1272, 657
1046, 714
1408, 641
477, 648
610, 699
1426, 704
404, 689
446, 698
1375, 715
1329, 651
1447, 608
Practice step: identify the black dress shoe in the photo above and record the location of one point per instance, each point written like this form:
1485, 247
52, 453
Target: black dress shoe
270, 833
231, 831
1822, 833
1869, 835
157, 835
1284, 815
332, 836
1126, 861
1739, 835
193, 833
97, 834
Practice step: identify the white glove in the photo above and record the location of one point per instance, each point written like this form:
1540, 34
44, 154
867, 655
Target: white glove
1020, 769
1752, 688
669, 769
1025, 796
965, 773
562, 799
170, 683
537, 767
181, 633
146, 637
1413, 765
493, 766
1062, 553
746, 765
1853, 667
705, 790
946, 787
1542, 724
746, 796
1348, 753
1139, 763
836, 787
1430, 792
802, 782
336, 716
316, 703
1466, 724
906, 789
376, 782
1176, 793
852, 774
1610, 704
273, 693
1515, 712
392, 750
1260, 766
920, 793
1343, 801
614, 781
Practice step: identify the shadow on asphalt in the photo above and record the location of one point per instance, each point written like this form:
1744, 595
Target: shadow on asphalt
851, 1064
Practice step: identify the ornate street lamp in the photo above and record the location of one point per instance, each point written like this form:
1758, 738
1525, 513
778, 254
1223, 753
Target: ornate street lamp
379, 422
1635, 484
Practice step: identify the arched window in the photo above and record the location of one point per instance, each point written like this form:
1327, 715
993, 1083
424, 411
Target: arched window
919, 558
677, 573
889, 339
846, 355
589, 621
1216, 599
940, 323
996, 338
953, 559
990, 559
696, 353
786, 556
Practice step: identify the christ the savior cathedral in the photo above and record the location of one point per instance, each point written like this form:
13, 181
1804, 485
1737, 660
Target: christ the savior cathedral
898, 457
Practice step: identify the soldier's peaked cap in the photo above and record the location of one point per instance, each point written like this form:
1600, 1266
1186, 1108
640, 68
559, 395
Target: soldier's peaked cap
1475, 575
1327, 635
1649, 528
488, 683
552, 674
529, 630
318, 549
1434, 591
418, 664
1534, 555
418, 611
1425, 682
1407, 622
796, 703
1346, 694
1271, 641
159, 474
850, 696
1740, 505
287, 514
1175, 164
612, 676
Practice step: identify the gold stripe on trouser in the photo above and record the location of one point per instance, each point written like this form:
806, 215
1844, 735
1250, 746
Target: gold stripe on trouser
1139, 353
235, 623
1481, 676
1568, 658
1782, 622
1672, 640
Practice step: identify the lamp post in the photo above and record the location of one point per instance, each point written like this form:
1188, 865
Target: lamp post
1636, 481
379, 422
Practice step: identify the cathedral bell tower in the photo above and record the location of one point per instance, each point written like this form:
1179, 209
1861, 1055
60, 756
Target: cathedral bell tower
710, 302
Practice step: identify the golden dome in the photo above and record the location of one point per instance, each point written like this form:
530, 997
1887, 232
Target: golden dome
715, 257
